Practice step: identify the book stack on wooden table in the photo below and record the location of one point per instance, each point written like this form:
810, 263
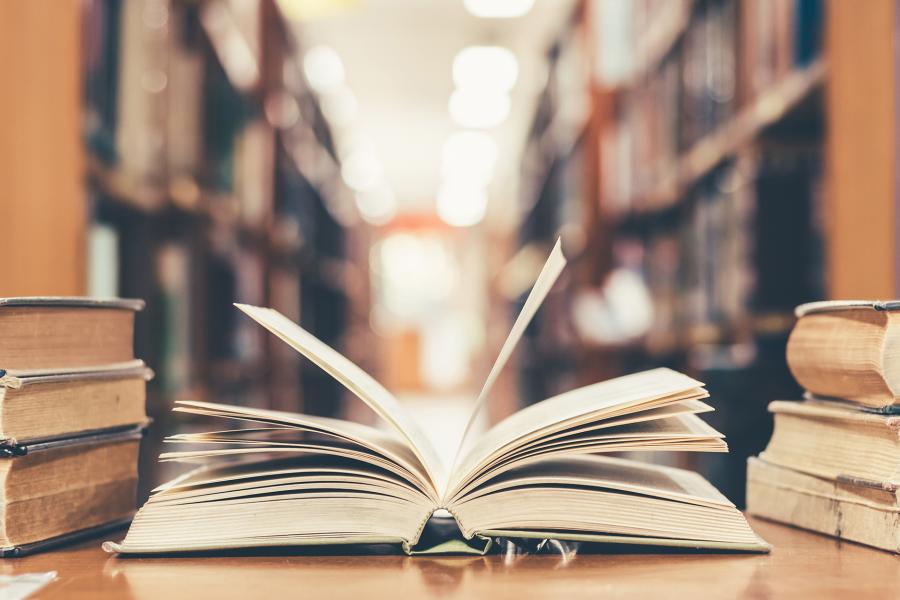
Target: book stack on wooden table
833, 463
72, 409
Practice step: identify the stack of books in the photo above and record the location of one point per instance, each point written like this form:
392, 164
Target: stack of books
72, 409
833, 463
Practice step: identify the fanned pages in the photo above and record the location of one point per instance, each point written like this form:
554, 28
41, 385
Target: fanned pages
288, 479
547, 277
354, 379
577, 408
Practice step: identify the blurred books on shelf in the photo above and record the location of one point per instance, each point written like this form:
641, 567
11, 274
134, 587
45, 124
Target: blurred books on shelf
699, 176
72, 410
213, 180
194, 125
833, 462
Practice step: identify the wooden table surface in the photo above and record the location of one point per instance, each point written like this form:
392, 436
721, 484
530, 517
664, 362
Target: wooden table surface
801, 565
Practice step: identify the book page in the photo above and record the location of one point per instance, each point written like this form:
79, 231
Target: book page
354, 379
606, 499
547, 277
592, 471
286, 427
263, 501
630, 393
686, 433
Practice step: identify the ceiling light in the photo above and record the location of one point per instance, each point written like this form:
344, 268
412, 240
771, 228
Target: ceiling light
361, 170
461, 206
485, 68
474, 109
340, 107
377, 206
469, 156
307, 10
353, 140
498, 9
323, 68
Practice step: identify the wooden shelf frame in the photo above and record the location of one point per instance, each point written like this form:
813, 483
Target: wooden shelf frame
703, 157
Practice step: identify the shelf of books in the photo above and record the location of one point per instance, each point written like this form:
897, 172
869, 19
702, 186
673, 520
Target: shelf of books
213, 180
690, 190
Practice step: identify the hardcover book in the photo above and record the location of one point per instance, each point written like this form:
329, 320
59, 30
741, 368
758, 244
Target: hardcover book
858, 510
57, 334
37, 406
54, 492
830, 440
291, 479
848, 349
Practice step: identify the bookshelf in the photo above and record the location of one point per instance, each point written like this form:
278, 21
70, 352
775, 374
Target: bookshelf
862, 153
212, 179
41, 157
727, 140
715, 184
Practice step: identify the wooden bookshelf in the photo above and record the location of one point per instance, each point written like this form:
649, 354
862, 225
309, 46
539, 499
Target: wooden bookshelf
41, 157
729, 138
230, 202
794, 170
660, 38
862, 150
717, 196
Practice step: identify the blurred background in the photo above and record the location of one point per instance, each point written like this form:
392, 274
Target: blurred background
392, 174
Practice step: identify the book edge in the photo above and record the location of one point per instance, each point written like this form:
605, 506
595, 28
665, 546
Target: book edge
66, 538
133, 304
10, 448
840, 305
16, 378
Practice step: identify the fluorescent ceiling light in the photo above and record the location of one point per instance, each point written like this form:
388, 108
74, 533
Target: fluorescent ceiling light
498, 9
340, 106
461, 206
323, 68
377, 206
476, 110
361, 171
469, 156
307, 10
486, 68
353, 140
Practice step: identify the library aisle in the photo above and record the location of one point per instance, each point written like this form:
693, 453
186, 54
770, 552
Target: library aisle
392, 175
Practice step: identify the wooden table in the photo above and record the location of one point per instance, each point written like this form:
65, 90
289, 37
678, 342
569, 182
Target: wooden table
801, 565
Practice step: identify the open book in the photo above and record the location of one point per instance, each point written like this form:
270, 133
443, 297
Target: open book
294, 479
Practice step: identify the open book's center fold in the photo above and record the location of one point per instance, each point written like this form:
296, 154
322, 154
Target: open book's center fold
379, 399
556, 262
299, 480
357, 381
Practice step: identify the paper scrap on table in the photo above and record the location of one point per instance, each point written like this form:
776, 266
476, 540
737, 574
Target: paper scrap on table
18, 587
